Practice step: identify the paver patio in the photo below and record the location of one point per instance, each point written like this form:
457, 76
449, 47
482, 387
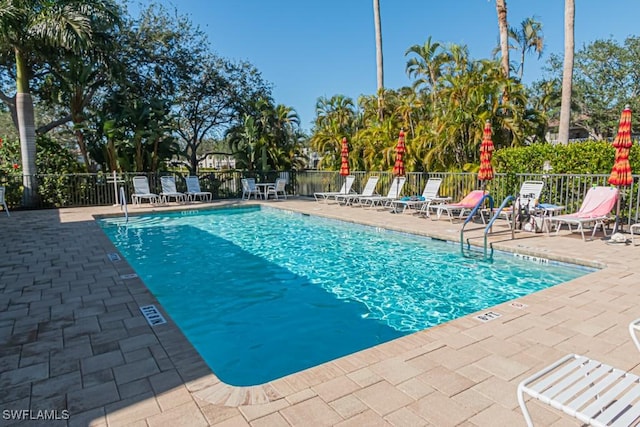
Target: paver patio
74, 345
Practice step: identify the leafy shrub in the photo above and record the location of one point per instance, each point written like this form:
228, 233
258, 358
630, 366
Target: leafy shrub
589, 157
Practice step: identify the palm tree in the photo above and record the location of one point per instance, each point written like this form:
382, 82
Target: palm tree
335, 118
527, 37
379, 61
501, 8
567, 73
30, 29
426, 66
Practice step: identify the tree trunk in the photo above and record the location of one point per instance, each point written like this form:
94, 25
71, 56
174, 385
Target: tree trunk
501, 8
193, 161
139, 160
379, 60
567, 73
27, 129
112, 157
83, 150
154, 156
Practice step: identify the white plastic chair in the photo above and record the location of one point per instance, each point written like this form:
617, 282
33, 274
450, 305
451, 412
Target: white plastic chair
595, 209
278, 188
142, 192
369, 190
528, 198
249, 189
393, 194
633, 229
593, 392
193, 190
3, 201
345, 189
429, 194
170, 191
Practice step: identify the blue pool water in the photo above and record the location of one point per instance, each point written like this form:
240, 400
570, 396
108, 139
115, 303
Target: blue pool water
262, 293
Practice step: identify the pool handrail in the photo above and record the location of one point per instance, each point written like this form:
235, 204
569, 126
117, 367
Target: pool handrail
492, 220
470, 217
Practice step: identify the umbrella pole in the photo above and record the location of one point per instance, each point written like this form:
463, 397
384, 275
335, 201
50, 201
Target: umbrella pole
616, 223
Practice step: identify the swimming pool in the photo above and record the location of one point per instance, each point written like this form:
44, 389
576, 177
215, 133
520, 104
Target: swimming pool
262, 293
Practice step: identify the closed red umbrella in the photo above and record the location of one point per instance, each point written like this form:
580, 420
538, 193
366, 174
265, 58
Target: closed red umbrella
398, 168
486, 152
621, 171
344, 166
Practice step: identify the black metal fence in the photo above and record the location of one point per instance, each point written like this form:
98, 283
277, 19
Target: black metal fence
100, 189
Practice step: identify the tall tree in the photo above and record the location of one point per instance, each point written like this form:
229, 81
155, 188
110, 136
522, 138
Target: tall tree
217, 97
33, 31
567, 73
527, 37
501, 8
379, 60
426, 65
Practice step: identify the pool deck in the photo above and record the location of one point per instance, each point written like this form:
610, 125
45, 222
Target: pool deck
73, 338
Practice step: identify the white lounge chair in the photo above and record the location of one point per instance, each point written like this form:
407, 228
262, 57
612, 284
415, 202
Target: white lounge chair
169, 190
595, 209
591, 391
142, 192
3, 202
345, 189
459, 209
395, 189
278, 188
249, 189
633, 229
193, 190
429, 195
526, 201
369, 190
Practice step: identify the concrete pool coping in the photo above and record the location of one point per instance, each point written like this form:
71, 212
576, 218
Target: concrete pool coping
74, 338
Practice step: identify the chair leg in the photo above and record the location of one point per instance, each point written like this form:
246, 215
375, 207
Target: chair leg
634, 328
523, 408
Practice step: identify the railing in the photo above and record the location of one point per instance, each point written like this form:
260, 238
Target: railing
471, 215
496, 214
123, 204
99, 189
560, 189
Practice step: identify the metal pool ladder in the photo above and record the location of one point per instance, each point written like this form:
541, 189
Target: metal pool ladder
123, 204
487, 229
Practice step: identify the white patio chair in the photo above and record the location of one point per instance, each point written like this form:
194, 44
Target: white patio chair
526, 202
3, 201
393, 194
595, 209
369, 190
142, 192
169, 190
345, 189
429, 194
249, 189
593, 392
278, 188
193, 190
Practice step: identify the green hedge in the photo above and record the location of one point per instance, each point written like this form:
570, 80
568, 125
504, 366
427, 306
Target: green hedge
589, 157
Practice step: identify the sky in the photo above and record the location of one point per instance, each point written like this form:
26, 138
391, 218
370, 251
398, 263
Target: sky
311, 49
